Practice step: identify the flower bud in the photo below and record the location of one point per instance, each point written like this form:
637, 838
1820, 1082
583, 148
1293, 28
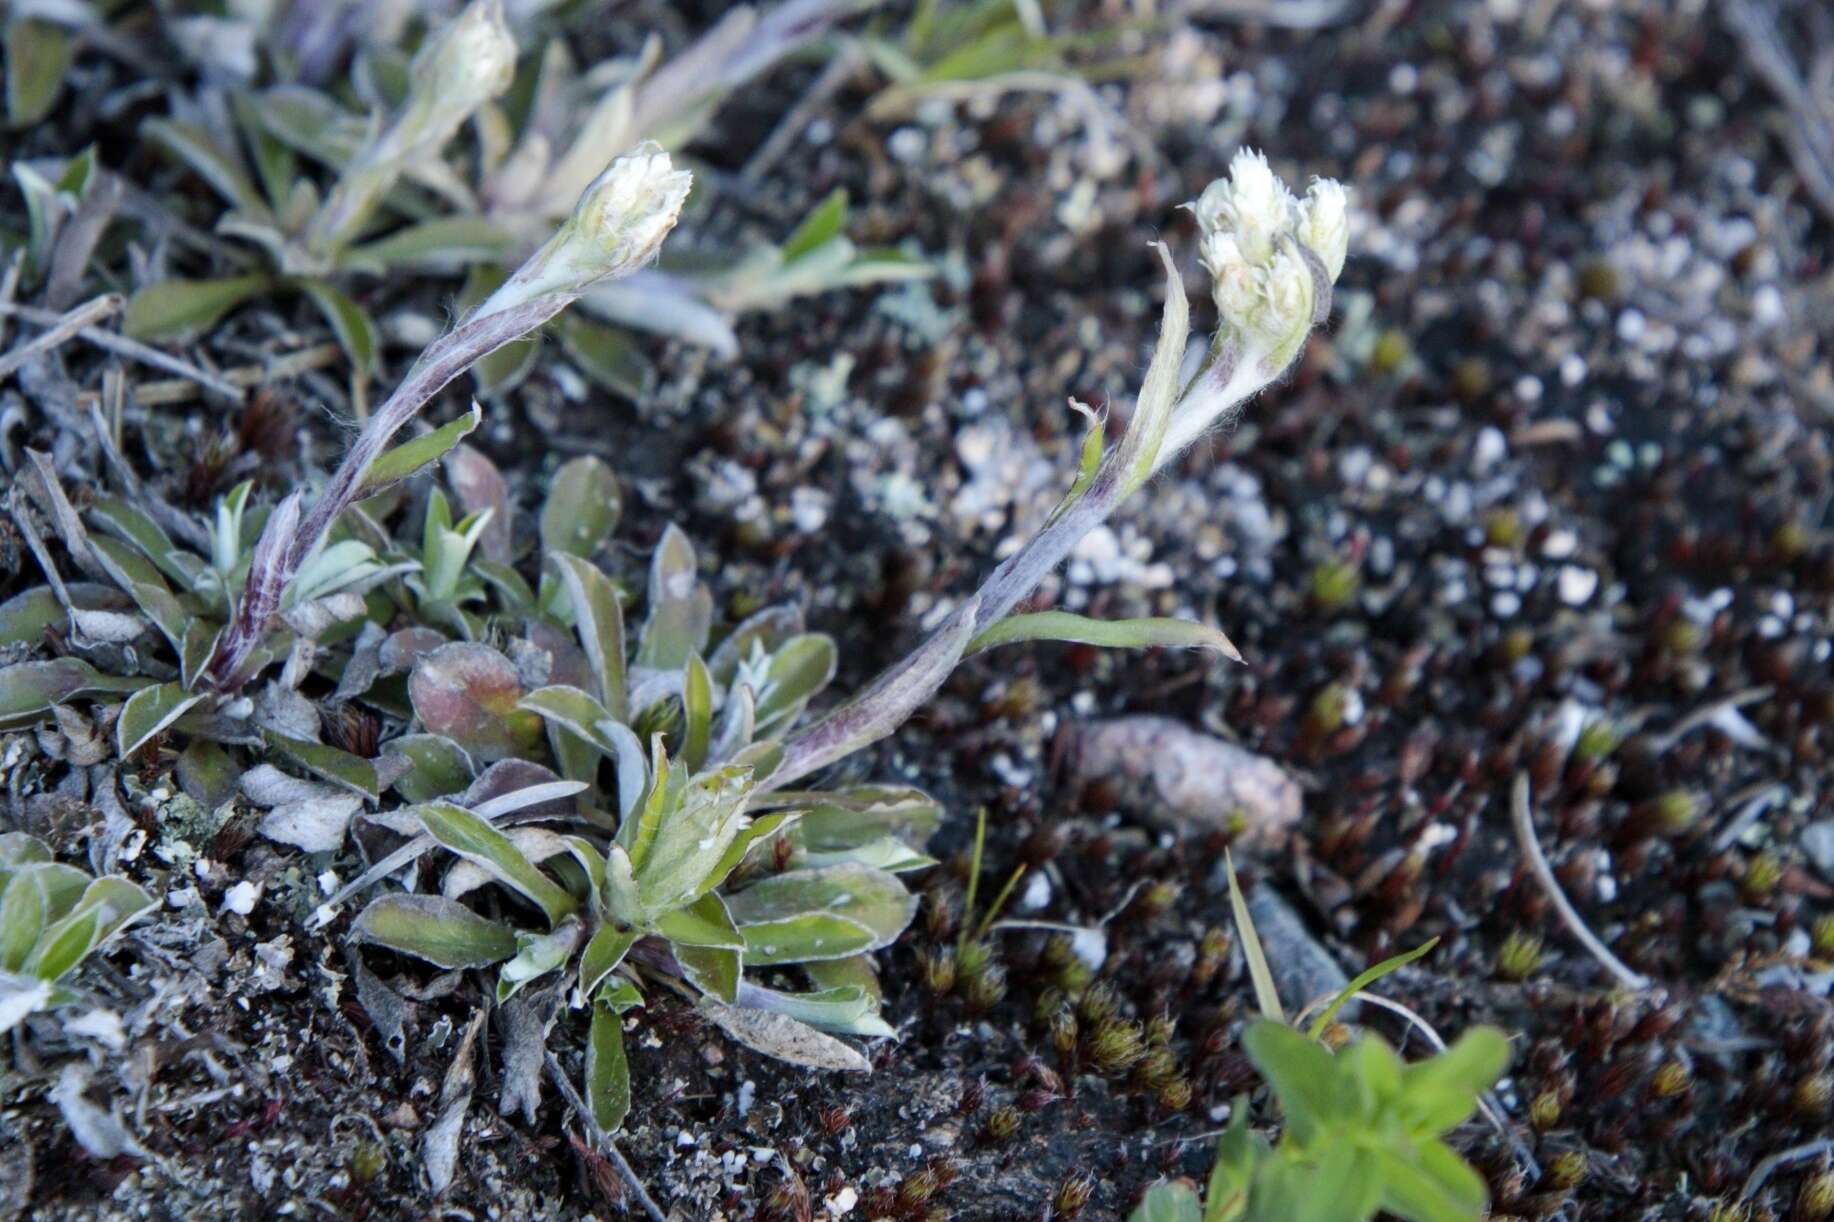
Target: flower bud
466, 64
617, 226
1324, 223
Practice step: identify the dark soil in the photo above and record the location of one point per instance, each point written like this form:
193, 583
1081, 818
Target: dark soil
1569, 431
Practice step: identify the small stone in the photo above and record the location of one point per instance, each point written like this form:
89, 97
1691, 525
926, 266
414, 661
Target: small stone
1178, 777
1817, 841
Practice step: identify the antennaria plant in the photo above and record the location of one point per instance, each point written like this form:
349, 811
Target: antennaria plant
601, 791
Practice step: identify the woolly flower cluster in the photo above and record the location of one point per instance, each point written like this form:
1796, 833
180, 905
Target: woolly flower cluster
617, 226
1255, 242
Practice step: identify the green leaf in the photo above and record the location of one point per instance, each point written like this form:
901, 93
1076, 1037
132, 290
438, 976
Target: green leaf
142, 583
759, 829
600, 623
823, 224
353, 772
478, 842
443, 932
137, 528
820, 914
38, 54
1301, 1073
443, 244
148, 712
691, 836
29, 689
25, 617
192, 144
697, 712
107, 906
582, 507
180, 310
705, 922
680, 607
439, 766
1377, 1072
1441, 1092
1417, 1194
1239, 1152
605, 950
607, 355
1168, 1201
1267, 997
1145, 633
847, 1009
397, 464
607, 1072
714, 970
539, 955
842, 820
1364, 981
355, 332
800, 668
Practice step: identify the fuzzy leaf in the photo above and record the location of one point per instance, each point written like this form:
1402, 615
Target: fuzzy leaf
600, 622
180, 310
695, 824
397, 464
582, 508
539, 955
437, 766
680, 607
804, 914
1144, 633
610, 357
705, 922
443, 244
847, 1009
697, 713
38, 54
25, 617
478, 842
780, 1036
30, 688
194, 145
605, 950
469, 693
148, 712
355, 331
799, 669
607, 1071
108, 904
443, 932
353, 772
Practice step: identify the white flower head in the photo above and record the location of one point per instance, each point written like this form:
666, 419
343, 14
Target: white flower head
1252, 205
1324, 223
627, 211
616, 227
467, 63
1288, 294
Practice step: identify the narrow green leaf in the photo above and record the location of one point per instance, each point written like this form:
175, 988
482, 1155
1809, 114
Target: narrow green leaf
1267, 997
609, 356
768, 911
397, 464
107, 906
1364, 981
38, 54
1145, 633
180, 310
30, 688
714, 970
353, 772
192, 144
25, 617
1441, 1092
600, 623
800, 669
607, 1072
680, 607
605, 950
443, 932
443, 244
826, 222
539, 955
1416, 1194
697, 712
148, 712
354, 330
477, 841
